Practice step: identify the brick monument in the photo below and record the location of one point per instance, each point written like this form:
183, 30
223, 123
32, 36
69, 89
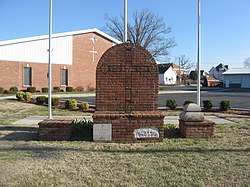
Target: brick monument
127, 94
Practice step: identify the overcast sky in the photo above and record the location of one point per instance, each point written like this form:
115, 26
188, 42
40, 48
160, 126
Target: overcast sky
225, 23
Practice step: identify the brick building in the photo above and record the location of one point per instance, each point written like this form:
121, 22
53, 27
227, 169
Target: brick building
24, 62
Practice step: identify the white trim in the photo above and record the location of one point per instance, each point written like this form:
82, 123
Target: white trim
34, 38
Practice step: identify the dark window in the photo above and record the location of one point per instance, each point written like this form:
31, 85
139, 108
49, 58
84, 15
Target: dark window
27, 76
64, 77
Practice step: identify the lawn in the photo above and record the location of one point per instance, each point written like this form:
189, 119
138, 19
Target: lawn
219, 161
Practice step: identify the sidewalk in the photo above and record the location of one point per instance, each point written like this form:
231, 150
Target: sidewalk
34, 120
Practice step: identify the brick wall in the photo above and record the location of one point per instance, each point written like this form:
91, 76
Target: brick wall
196, 129
80, 73
55, 129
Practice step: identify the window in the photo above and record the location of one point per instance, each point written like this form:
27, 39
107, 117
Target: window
27, 76
64, 77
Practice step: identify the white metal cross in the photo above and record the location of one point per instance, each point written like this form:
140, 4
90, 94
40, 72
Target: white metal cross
93, 53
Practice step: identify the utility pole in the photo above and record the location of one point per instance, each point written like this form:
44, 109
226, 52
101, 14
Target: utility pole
198, 58
49, 63
125, 36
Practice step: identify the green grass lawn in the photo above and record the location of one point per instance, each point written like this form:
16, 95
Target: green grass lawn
219, 161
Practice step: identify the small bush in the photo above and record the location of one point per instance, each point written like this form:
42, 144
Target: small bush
45, 89
225, 105
187, 102
69, 89
20, 96
56, 89
84, 106
1, 90
27, 96
13, 89
90, 89
207, 104
83, 128
54, 101
71, 104
31, 89
171, 104
79, 89
40, 100
5, 92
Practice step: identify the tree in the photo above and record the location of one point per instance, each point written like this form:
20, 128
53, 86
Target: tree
193, 75
184, 62
246, 63
147, 30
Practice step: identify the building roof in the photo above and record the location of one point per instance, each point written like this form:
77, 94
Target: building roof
34, 38
222, 67
164, 67
237, 71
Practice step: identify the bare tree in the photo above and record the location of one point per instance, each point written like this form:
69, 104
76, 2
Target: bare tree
184, 62
148, 30
246, 63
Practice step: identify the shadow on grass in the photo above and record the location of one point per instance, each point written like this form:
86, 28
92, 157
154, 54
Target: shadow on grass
46, 152
19, 133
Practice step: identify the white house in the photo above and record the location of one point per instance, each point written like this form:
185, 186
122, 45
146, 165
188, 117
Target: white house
237, 78
167, 75
217, 71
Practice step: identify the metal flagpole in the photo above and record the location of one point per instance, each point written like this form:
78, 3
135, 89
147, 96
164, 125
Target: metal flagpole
125, 37
49, 64
199, 58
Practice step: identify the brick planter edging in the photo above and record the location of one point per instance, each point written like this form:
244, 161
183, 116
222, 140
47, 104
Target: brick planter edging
196, 129
55, 129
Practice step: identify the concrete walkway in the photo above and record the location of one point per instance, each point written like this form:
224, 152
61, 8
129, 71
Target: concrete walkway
34, 120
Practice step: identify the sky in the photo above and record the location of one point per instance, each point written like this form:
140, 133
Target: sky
225, 24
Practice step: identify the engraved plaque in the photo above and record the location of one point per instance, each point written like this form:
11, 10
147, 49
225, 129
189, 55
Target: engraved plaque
102, 132
146, 132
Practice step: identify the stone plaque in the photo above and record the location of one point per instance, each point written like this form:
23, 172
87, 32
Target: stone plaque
102, 132
146, 132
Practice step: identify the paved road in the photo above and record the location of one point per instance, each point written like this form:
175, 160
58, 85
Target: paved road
240, 98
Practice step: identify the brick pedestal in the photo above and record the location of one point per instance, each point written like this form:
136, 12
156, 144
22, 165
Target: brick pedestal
196, 129
55, 129
127, 94
124, 125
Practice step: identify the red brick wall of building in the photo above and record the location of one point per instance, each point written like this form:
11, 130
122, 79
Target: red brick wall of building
80, 73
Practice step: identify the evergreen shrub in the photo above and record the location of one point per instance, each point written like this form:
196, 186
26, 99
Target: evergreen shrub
84, 106
40, 100
45, 89
207, 104
71, 104
56, 89
20, 96
69, 89
27, 96
54, 101
31, 89
1, 90
171, 104
225, 105
13, 89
